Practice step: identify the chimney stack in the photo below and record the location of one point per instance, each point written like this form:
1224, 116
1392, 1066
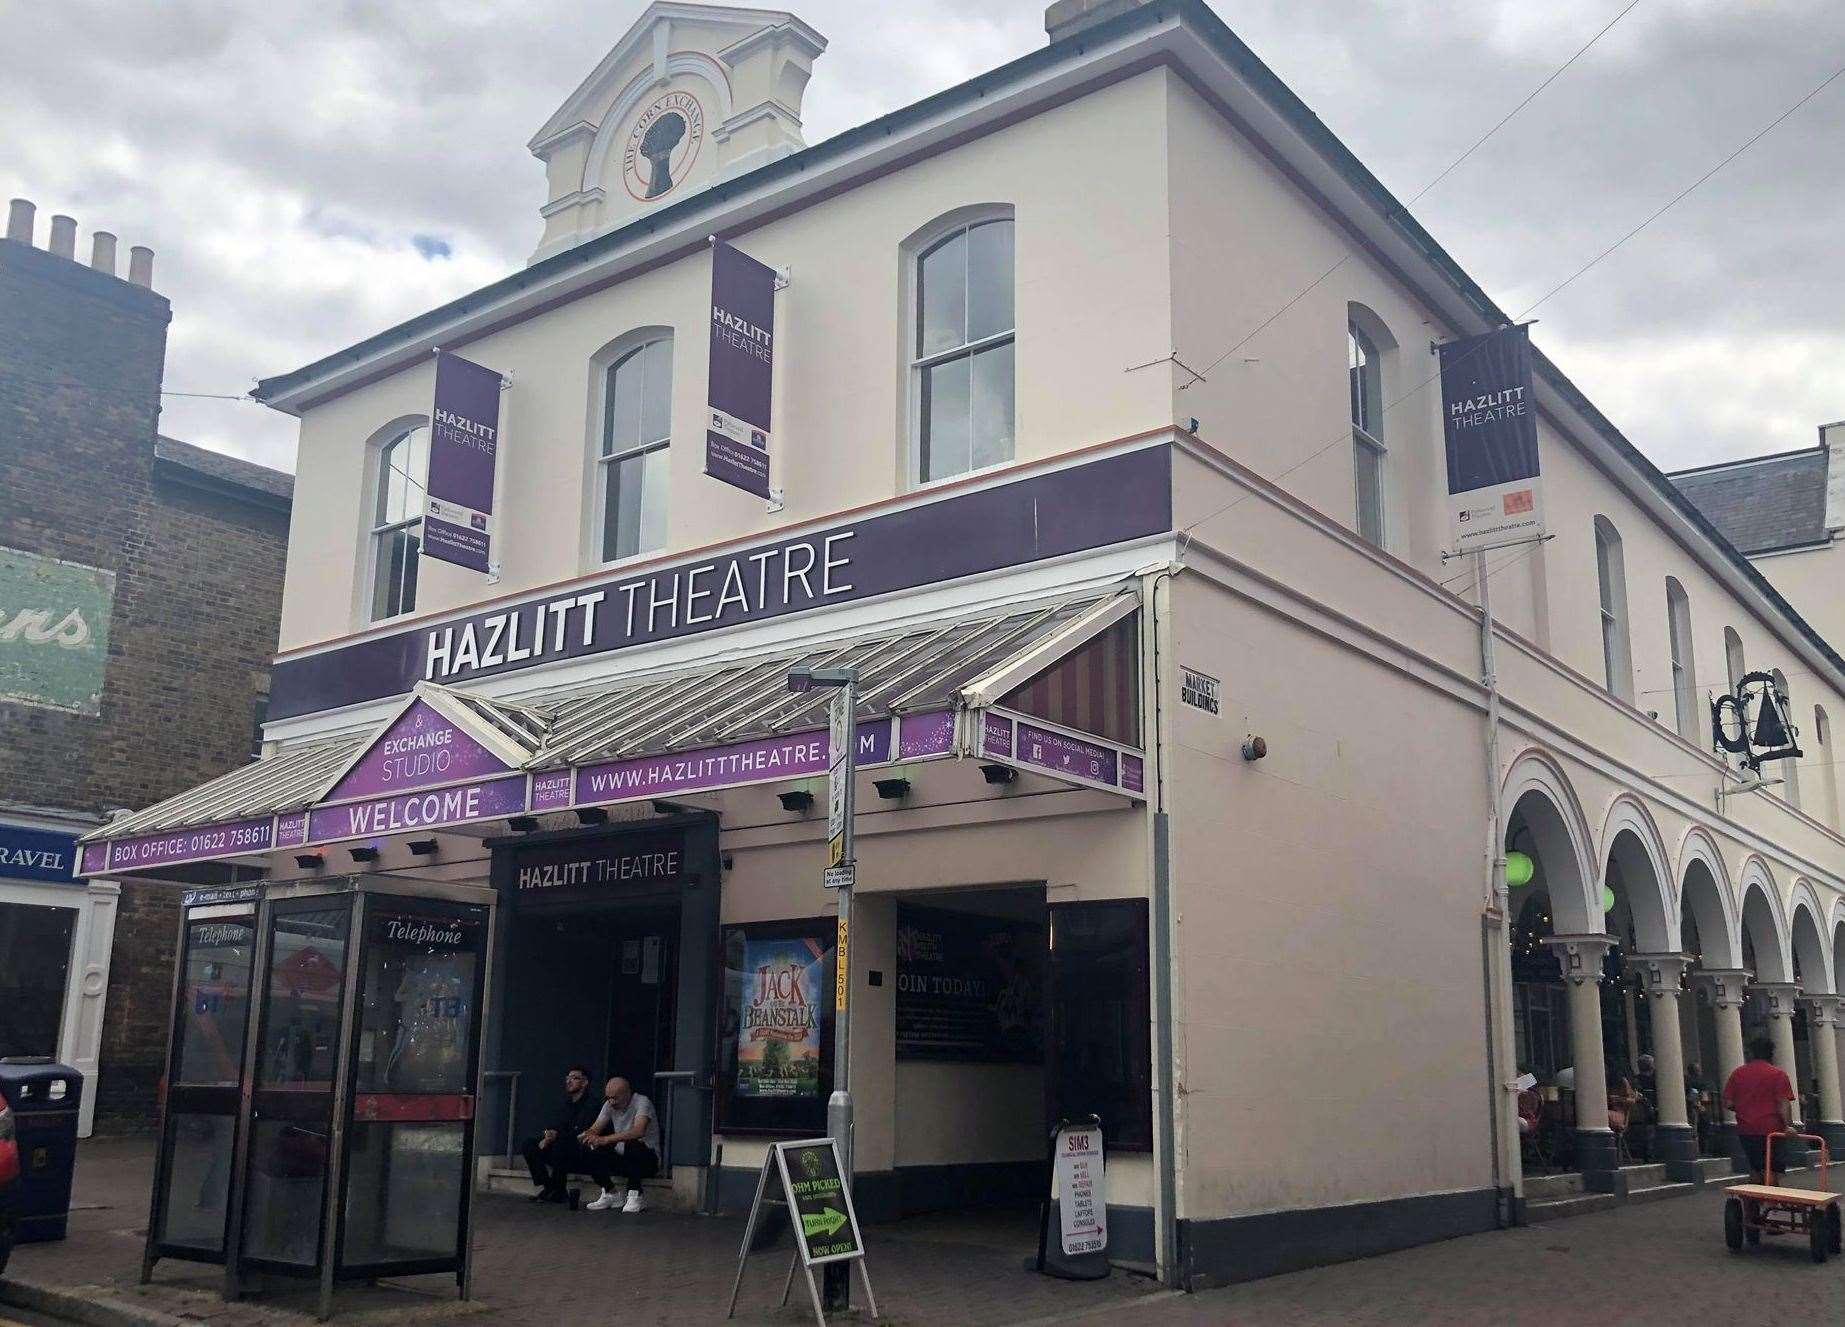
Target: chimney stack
64, 236
19, 218
102, 252
22, 214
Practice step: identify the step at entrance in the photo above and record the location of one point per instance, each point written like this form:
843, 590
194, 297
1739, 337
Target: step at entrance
1580, 1204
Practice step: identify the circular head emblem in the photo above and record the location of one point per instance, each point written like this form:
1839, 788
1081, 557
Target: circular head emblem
662, 145
811, 1164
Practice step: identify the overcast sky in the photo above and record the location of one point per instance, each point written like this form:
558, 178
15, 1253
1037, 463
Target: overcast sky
312, 171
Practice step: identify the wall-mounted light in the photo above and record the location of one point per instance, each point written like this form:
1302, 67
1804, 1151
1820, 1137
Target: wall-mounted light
422, 847
796, 800
1254, 748
998, 773
522, 824
364, 854
892, 789
592, 815
668, 809
310, 861
1519, 869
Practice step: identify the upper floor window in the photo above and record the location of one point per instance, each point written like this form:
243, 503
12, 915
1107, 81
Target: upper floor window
1611, 581
1828, 767
1733, 657
1790, 769
397, 521
637, 433
961, 362
1684, 672
1365, 373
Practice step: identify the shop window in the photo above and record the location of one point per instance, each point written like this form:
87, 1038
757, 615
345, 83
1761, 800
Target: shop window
35, 944
636, 441
1100, 1056
961, 351
969, 987
1684, 673
397, 522
1611, 583
1364, 372
775, 1050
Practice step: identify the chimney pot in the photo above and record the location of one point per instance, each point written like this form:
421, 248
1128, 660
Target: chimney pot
141, 266
102, 252
20, 214
64, 236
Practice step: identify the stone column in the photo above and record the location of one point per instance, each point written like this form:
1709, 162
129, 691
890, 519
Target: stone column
1825, 1015
1580, 957
1726, 987
1675, 1142
1779, 1000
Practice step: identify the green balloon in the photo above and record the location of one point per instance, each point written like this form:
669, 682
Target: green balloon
1519, 868
1607, 898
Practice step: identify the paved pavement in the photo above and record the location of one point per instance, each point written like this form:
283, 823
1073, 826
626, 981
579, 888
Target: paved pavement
1658, 1263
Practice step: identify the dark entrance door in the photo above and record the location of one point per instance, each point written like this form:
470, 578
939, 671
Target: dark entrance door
643, 952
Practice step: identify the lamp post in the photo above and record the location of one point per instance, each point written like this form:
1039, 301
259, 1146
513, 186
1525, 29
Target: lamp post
842, 860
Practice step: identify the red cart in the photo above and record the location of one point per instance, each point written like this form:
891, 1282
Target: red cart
1754, 1210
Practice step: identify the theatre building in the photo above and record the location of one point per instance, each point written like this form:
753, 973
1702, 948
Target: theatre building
1186, 768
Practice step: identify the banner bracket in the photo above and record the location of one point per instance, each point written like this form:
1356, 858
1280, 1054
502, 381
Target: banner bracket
776, 502
1491, 548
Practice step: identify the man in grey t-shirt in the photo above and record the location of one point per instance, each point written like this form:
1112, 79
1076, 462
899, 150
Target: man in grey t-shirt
626, 1138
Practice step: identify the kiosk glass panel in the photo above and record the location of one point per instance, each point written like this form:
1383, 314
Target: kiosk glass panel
293, 1094
214, 1009
413, 1083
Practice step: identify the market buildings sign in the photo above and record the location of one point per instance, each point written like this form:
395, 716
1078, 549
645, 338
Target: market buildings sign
54, 632
1053, 514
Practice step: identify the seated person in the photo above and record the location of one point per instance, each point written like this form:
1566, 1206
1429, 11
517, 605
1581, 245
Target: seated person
1622, 1100
625, 1140
555, 1153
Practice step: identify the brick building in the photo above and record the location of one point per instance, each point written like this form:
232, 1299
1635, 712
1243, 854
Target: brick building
140, 581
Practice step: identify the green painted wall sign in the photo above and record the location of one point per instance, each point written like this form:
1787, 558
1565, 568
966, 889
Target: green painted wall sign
54, 631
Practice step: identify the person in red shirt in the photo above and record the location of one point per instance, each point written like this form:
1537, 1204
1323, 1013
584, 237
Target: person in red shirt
1759, 1093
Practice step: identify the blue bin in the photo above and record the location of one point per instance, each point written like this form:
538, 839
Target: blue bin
45, 1097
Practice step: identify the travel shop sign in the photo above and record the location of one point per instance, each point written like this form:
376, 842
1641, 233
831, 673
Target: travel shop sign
1072, 510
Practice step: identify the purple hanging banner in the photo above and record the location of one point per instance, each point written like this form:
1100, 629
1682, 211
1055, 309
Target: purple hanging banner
742, 359
464, 440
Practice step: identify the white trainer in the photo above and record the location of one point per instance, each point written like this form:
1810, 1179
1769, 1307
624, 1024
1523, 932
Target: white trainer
602, 1204
635, 1202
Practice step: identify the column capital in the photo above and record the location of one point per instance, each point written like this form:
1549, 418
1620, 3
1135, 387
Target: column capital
1725, 986
1825, 1010
1778, 997
1659, 974
1580, 956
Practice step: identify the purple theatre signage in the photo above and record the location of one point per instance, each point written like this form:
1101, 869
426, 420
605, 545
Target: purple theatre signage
432, 809
190, 845
921, 735
1063, 754
421, 748
996, 735
1120, 497
742, 370
1133, 773
554, 790
291, 829
464, 442
791, 756
95, 859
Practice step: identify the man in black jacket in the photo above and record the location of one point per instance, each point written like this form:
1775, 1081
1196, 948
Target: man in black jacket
555, 1153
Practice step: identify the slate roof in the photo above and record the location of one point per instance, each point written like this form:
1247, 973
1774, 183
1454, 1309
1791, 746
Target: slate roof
225, 469
1763, 503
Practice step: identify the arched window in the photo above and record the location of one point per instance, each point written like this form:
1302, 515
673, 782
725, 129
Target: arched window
1821, 755
401, 471
1733, 657
634, 448
1684, 671
961, 351
1364, 370
1611, 581
1790, 769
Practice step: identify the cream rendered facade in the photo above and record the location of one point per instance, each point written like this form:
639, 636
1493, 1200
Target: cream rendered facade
1328, 950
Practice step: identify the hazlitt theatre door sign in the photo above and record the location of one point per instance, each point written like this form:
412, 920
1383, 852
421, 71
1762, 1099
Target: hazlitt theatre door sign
1489, 426
464, 444
742, 362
